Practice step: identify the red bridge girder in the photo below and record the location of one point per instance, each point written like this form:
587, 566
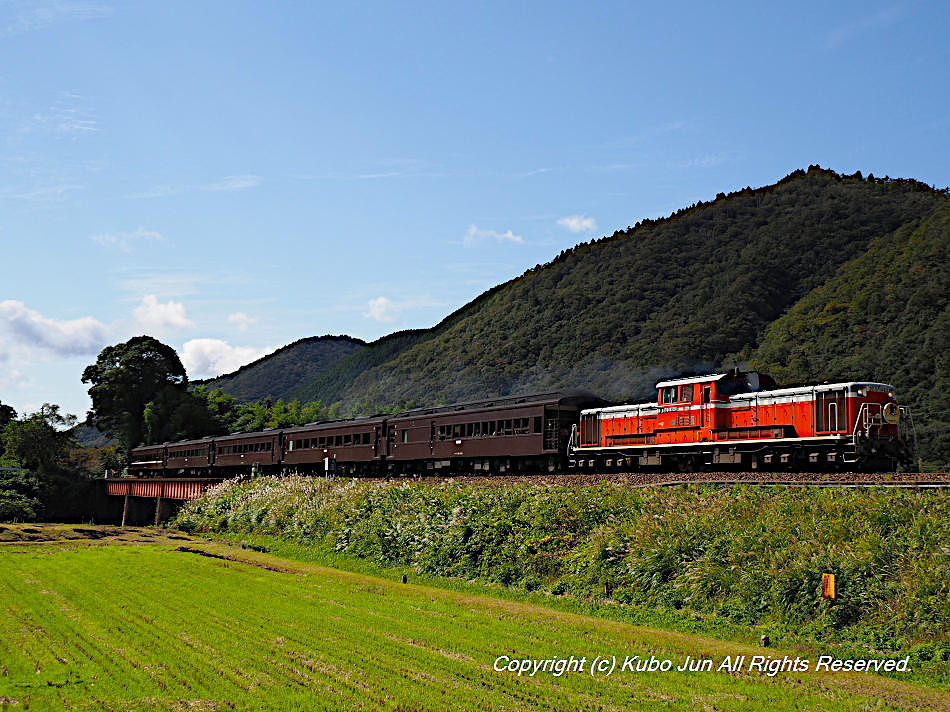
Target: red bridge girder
166, 488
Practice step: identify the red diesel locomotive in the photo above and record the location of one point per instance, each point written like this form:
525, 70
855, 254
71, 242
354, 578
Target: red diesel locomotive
740, 419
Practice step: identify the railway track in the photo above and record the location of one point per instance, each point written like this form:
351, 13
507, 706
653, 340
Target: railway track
929, 480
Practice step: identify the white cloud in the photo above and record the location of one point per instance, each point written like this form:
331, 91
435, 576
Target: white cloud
52, 192
40, 16
840, 35
125, 240
474, 235
73, 337
153, 316
386, 310
163, 285
708, 160
242, 320
240, 182
158, 191
578, 223
535, 172
68, 116
382, 309
212, 357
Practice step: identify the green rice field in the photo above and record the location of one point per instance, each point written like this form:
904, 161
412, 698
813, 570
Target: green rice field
110, 619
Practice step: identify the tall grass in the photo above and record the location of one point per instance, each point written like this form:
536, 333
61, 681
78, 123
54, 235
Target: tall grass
751, 555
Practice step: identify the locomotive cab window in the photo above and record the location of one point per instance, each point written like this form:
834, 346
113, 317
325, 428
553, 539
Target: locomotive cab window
668, 394
686, 393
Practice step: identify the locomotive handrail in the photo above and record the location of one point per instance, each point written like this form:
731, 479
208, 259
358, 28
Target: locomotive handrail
866, 420
573, 439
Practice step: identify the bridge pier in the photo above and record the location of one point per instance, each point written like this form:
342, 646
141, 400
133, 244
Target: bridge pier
125, 510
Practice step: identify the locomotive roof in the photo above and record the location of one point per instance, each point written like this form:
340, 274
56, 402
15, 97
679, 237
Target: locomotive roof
691, 379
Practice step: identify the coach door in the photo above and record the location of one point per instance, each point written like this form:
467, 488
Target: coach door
830, 412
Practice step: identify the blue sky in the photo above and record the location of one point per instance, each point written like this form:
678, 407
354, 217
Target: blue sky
230, 177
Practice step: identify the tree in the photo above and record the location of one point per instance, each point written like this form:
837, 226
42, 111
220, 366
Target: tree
125, 378
176, 414
6, 415
19, 495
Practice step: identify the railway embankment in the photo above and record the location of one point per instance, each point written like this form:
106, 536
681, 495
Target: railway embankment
745, 556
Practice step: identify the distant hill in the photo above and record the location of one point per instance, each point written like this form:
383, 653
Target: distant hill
276, 374
327, 386
747, 277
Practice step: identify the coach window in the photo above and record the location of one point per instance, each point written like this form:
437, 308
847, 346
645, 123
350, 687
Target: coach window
668, 394
537, 424
405, 435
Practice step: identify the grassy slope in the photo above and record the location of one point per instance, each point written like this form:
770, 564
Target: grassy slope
276, 375
264, 633
884, 315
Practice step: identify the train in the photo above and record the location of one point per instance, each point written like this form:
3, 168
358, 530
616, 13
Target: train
723, 420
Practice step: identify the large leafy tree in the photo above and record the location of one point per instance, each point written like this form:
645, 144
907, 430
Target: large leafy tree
124, 379
175, 414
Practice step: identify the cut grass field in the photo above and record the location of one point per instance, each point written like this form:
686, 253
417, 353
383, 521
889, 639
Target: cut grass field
137, 620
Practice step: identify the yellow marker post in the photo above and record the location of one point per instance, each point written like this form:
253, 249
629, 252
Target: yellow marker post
828, 586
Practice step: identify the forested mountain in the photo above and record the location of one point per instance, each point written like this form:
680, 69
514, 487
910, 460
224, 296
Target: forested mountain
884, 316
287, 368
818, 276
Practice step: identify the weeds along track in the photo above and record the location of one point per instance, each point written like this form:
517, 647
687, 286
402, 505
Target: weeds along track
658, 479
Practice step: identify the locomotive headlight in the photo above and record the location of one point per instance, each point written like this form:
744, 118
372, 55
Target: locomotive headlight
861, 392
